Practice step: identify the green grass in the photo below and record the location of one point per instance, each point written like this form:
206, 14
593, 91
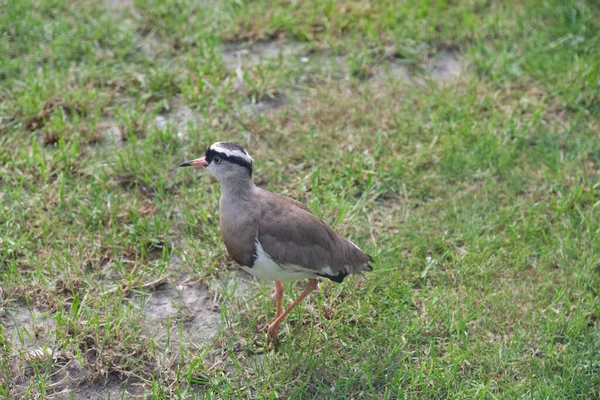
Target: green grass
479, 198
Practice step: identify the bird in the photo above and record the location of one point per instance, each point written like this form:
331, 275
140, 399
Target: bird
273, 237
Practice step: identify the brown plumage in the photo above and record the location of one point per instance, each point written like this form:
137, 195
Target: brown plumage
290, 234
274, 237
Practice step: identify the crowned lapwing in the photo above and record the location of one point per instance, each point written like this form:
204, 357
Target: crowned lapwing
273, 237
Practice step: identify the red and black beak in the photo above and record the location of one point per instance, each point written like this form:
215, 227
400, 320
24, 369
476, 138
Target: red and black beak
198, 162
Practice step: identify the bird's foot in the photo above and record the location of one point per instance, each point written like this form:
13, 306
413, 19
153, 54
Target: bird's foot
272, 334
263, 347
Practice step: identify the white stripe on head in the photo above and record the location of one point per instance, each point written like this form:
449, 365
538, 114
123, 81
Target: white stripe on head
231, 150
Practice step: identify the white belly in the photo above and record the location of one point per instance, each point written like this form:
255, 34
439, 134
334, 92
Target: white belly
267, 269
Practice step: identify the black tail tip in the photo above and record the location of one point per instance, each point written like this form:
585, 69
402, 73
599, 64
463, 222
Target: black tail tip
339, 278
372, 260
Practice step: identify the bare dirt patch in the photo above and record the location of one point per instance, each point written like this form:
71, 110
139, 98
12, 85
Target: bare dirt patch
115, 387
110, 133
235, 55
268, 103
394, 69
187, 314
28, 327
119, 4
179, 116
238, 284
189, 306
315, 65
446, 66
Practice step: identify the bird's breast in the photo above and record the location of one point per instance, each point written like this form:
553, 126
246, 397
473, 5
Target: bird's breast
238, 231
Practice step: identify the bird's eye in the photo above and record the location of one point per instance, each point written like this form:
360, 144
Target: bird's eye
217, 160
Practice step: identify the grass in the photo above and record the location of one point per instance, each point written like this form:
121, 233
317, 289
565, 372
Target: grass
478, 197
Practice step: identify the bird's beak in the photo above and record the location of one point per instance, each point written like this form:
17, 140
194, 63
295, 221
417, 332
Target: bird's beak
198, 162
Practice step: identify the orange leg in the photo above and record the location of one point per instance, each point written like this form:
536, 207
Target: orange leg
278, 301
274, 327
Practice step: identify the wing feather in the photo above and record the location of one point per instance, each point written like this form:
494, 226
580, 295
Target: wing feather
291, 234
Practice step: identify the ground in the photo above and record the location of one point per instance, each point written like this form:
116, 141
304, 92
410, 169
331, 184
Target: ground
457, 142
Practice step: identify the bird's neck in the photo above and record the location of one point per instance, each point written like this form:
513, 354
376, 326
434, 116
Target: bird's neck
234, 189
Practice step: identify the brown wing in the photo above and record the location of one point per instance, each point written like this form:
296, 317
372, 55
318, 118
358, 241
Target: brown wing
291, 234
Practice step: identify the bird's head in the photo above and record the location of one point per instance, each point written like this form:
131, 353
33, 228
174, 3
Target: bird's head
225, 161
